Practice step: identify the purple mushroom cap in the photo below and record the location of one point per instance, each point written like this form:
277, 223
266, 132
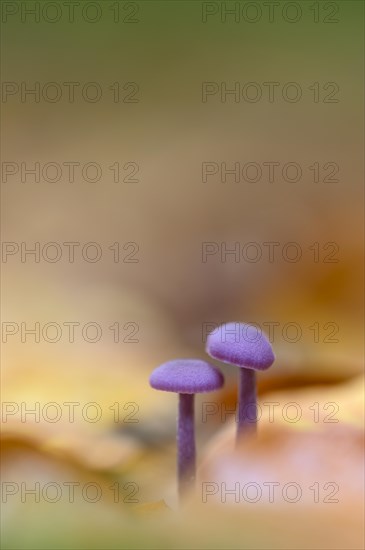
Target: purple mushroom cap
186, 376
241, 345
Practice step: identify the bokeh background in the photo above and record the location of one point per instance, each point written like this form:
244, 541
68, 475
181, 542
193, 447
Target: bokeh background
162, 294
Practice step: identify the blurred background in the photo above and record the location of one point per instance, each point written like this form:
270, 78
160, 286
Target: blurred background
117, 173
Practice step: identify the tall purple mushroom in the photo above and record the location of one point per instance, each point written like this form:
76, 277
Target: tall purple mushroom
186, 377
244, 346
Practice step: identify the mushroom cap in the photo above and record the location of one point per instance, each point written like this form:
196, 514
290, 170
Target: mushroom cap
242, 345
186, 376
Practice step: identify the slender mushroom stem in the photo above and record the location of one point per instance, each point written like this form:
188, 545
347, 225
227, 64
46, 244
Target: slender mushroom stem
247, 406
185, 443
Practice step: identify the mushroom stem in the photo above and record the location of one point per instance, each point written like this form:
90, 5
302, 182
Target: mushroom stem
186, 443
247, 406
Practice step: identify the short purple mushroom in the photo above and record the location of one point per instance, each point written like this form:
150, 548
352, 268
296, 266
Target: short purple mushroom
186, 377
244, 346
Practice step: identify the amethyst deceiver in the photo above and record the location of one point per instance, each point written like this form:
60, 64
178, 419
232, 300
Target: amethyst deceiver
247, 347
186, 377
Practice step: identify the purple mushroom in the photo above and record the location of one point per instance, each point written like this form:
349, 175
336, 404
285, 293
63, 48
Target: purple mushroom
244, 346
186, 377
